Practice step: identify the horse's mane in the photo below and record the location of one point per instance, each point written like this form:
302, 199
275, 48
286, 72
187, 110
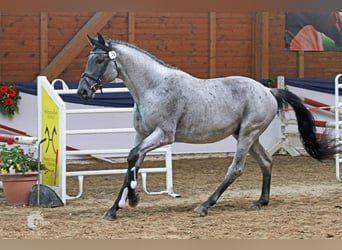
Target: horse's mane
142, 51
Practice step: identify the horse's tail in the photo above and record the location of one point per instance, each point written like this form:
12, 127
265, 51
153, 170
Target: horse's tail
321, 149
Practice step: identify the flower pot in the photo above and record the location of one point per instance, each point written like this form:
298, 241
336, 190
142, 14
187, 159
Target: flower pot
17, 187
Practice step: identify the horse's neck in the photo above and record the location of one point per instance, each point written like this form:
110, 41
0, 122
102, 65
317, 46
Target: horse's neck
140, 72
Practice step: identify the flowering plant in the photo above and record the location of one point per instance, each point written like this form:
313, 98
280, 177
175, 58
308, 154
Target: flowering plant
271, 83
14, 160
9, 99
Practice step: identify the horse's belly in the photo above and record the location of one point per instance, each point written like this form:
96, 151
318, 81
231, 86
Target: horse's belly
198, 136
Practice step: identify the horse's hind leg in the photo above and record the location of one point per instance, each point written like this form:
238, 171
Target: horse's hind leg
264, 160
246, 139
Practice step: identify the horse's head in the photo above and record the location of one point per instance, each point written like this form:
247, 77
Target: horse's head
101, 68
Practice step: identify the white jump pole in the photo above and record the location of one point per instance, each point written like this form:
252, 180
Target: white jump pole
17, 139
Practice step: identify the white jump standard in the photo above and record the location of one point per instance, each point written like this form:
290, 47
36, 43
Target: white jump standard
62, 117
338, 123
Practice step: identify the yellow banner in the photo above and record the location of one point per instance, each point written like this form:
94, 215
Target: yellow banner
50, 148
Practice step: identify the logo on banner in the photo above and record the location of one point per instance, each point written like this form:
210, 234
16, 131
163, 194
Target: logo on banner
50, 131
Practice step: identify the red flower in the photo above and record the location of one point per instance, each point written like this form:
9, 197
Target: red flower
10, 141
12, 92
8, 101
3, 89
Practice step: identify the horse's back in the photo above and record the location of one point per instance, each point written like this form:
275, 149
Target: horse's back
255, 101
245, 93
219, 107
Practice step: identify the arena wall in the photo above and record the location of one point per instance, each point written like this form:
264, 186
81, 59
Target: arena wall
203, 44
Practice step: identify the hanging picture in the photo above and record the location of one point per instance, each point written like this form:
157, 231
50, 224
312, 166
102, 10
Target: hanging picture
313, 31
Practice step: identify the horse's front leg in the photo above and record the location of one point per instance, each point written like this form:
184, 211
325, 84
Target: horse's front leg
120, 201
135, 158
134, 161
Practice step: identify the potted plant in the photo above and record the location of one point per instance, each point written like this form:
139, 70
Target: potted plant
18, 173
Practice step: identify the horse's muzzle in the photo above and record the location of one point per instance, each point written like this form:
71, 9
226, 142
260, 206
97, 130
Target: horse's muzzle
84, 92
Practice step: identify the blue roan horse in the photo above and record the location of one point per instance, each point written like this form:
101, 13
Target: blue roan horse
173, 106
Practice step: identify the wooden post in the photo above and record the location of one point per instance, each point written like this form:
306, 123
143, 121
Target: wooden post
74, 47
300, 63
131, 27
212, 44
43, 40
260, 67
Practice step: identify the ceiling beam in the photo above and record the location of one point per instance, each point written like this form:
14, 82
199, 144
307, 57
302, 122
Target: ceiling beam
74, 47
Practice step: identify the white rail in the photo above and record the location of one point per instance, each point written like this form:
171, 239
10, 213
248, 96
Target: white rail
99, 110
338, 106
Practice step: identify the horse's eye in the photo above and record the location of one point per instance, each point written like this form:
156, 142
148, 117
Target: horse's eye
99, 61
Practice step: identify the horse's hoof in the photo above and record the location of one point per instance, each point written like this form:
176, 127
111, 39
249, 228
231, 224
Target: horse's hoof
201, 210
259, 204
134, 201
109, 215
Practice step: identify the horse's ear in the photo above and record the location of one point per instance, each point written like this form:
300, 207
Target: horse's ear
101, 39
92, 41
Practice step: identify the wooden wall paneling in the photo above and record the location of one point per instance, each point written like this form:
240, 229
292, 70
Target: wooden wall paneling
212, 44
260, 64
256, 46
264, 46
179, 39
76, 45
300, 63
43, 40
20, 46
62, 26
234, 44
246, 44
131, 27
116, 28
282, 61
325, 64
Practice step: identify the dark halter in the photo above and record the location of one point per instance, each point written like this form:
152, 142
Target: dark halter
97, 80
